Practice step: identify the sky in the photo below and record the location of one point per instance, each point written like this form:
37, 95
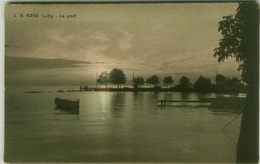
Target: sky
167, 39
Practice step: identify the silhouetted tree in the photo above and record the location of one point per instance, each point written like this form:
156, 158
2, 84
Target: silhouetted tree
220, 85
202, 84
138, 81
117, 77
220, 80
153, 80
241, 40
184, 84
168, 80
234, 84
104, 78
184, 81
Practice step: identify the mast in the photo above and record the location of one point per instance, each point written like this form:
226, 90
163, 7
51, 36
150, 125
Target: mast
96, 78
133, 77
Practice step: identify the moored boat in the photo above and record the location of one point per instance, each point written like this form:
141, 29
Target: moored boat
66, 104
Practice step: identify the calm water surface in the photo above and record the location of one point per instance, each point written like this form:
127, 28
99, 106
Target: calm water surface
116, 127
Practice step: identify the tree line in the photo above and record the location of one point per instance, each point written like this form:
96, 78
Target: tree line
202, 84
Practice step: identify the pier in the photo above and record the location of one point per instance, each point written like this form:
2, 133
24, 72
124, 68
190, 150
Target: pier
220, 104
164, 101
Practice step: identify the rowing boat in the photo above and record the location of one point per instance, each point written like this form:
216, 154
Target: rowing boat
66, 104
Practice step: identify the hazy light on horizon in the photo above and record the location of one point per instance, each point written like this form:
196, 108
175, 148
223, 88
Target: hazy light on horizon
164, 39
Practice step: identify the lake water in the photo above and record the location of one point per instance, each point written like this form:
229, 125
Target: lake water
115, 127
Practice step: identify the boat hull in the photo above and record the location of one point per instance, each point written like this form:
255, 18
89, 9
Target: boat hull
66, 104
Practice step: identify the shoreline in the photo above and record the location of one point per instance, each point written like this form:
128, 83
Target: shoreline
191, 90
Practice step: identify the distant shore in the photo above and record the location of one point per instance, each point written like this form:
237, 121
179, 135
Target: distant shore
127, 89
165, 90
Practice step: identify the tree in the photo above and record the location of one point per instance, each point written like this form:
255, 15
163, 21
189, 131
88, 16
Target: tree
184, 84
104, 78
117, 77
153, 80
168, 80
138, 81
220, 80
241, 40
184, 81
202, 84
233, 82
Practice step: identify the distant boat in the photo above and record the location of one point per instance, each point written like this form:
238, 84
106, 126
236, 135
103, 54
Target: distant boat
66, 104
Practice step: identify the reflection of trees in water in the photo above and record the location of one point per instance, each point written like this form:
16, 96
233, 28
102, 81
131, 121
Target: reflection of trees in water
138, 99
185, 95
117, 102
116, 123
203, 96
154, 95
136, 96
195, 96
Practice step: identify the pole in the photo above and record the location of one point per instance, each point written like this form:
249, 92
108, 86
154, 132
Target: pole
96, 79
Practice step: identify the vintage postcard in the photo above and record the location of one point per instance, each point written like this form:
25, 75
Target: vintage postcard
130, 82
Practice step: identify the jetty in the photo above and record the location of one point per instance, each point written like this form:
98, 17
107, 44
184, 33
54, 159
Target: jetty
219, 104
164, 101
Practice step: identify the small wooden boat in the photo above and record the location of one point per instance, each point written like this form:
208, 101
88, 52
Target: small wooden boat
66, 104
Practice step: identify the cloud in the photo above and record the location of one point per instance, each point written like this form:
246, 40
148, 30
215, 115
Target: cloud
125, 41
84, 46
13, 64
100, 36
